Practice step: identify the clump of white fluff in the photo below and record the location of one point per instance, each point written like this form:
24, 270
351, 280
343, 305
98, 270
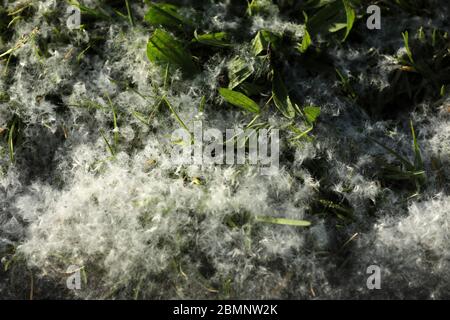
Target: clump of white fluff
133, 220
413, 250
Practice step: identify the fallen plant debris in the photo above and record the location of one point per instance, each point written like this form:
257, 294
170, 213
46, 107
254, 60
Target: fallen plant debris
88, 183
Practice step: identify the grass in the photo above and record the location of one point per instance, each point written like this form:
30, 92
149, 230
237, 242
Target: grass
11, 139
175, 114
21, 42
179, 42
129, 13
267, 80
283, 221
412, 171
176, 36
111, 149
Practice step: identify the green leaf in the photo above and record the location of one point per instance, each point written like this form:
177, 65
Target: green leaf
263, 40
129, 13
325, 18
108, 145
408, 50
177, 117
418, 162
403, 160
299, 134
251, 89
139, 116
282, 221
442, 91
331, 17
306, 42
346, 85
311, 113
281, 97
116, 128
218, 39
164, 14
238, 71
350, 13
239, 100
337, 26
98, 13
162, 47
258, 7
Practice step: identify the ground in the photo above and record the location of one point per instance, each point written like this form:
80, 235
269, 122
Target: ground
88, 181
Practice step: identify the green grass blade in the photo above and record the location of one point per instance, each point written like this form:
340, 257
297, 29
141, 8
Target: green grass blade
239, 100
177, 117
418, 161
282, 221
306, 42
110, 148
218, 39
11, 140
351, 15
116, 128
408, 50
164, 14
281, 97
139, 116
395, 154
162, 47
129, 13
311, 113
238, 71
263, 41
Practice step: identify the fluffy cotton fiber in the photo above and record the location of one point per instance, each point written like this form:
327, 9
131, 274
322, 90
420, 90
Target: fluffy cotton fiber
139, 226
